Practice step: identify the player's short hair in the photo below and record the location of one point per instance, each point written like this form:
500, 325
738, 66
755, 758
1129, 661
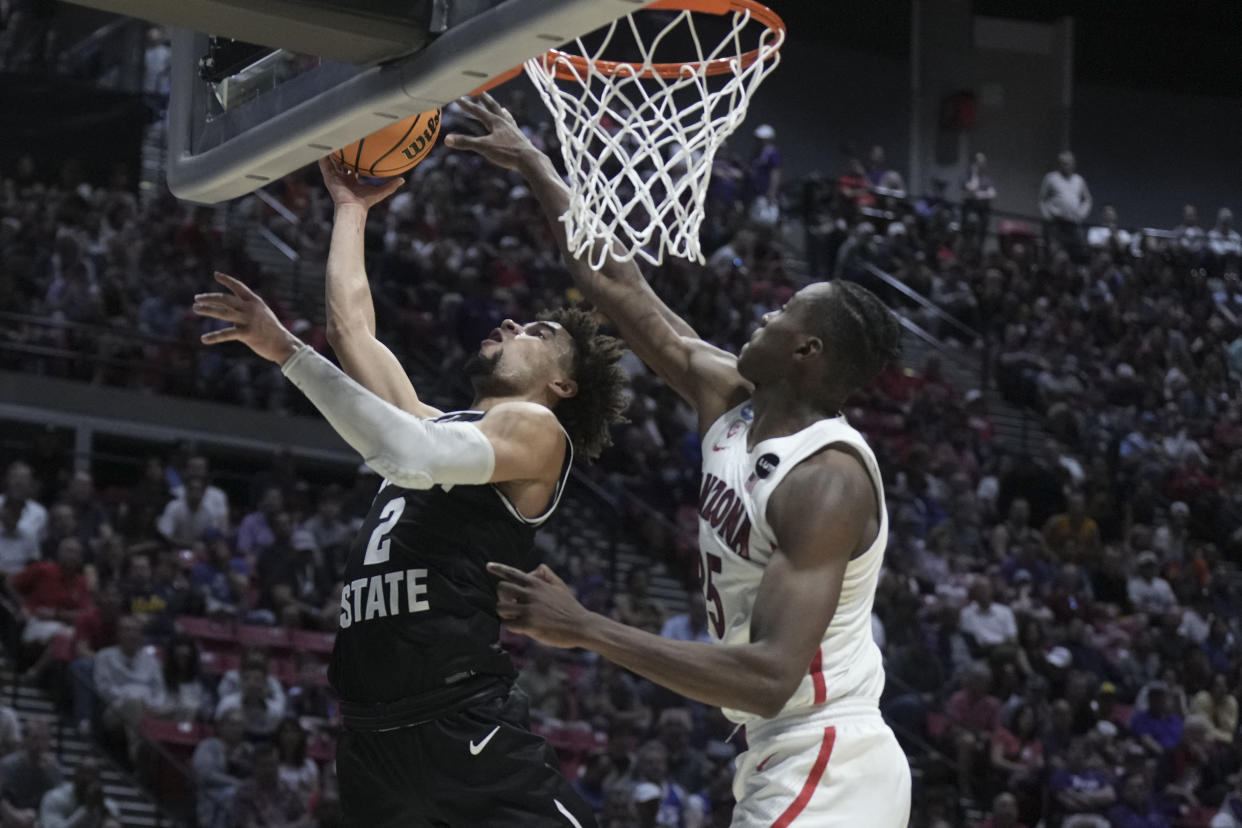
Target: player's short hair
588, 415
861, 332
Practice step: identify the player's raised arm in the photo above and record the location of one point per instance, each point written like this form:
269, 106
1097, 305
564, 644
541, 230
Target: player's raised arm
348, 304
514, 441
703, 375
823, 513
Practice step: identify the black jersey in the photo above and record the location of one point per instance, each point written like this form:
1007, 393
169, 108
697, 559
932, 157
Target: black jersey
418, 609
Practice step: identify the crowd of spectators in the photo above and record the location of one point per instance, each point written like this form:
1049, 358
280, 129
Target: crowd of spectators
1058, 619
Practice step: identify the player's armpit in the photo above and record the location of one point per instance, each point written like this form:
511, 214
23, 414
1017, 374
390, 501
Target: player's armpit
528, 441
823, 514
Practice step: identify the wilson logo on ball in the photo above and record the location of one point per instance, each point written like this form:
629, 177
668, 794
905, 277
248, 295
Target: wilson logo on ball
422, 143
395, 148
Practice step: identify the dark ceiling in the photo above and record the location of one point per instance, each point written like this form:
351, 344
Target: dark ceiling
1188, 46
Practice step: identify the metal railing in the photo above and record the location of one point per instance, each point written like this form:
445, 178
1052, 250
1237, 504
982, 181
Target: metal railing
922, 301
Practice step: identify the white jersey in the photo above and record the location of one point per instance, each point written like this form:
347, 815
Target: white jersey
736, 543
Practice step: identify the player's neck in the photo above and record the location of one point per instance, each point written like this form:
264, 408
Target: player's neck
490, 401
779, 412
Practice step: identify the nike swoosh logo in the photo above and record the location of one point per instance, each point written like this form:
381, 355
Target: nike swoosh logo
475, 750
764, 763
718, 448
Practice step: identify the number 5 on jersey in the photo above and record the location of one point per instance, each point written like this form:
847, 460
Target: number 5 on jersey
379, 543
711, 565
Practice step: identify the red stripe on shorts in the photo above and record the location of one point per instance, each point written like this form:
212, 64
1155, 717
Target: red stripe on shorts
817, 676
812, 781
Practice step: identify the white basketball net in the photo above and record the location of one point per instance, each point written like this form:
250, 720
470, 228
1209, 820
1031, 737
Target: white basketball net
638, 154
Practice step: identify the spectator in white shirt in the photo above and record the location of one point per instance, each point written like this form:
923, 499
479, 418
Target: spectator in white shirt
19, 485
1191, 240
260, 710
18, 544
185, 520
990, 624
214, 498
689, 626
978, 193
1149, 592
1108, 234
129, 679
1065, 203
1223, 240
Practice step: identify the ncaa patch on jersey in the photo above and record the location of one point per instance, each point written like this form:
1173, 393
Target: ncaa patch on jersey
765, 465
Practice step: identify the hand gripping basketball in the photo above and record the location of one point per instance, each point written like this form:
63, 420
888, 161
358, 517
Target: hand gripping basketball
345, 188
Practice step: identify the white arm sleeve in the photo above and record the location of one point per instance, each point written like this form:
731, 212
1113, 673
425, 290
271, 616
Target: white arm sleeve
408, 451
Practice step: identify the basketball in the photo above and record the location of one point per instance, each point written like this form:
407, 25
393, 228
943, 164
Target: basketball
394, 149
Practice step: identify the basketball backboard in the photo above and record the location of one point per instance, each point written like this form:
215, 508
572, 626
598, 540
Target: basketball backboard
242, 116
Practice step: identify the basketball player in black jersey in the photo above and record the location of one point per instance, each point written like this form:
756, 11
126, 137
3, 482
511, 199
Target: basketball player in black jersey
435, 734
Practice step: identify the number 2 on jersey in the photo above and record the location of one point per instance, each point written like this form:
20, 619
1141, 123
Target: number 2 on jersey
715, 609
379, 543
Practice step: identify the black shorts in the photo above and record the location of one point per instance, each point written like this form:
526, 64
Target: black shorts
479, 767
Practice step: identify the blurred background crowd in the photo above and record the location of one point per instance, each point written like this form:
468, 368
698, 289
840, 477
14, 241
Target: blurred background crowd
1059, 612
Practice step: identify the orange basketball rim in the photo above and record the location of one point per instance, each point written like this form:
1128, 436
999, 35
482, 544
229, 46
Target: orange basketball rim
562, 61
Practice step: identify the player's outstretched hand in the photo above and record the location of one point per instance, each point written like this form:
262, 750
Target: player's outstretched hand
345, 188
253, 321
538, 604
504, 144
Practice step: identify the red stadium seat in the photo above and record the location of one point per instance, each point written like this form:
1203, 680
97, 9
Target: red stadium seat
181, 734
288, 673
307, 641
583, 741
217, 664
251, 635
207, 630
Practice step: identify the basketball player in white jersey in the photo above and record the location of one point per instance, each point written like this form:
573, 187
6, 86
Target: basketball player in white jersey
792, 529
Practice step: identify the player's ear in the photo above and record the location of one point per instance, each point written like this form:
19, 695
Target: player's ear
563, 388
809, 347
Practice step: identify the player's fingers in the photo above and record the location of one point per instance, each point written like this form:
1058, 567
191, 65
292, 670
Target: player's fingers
235, 285
475, 110
216, 310
545, 574
499, 110
508, 574
389, 188
226, 299
458, 141
222, 335
507, 593
493, 106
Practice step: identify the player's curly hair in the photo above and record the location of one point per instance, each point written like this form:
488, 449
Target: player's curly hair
589, 414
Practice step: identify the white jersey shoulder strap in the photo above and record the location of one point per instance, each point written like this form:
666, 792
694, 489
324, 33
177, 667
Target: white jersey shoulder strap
775, 458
